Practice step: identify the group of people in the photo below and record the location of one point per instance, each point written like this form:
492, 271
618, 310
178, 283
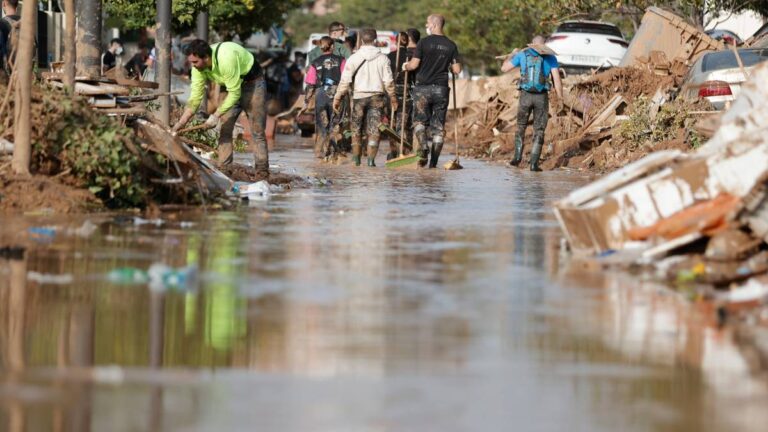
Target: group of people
413, 80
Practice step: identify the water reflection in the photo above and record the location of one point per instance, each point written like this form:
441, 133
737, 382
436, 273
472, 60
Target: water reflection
389, 301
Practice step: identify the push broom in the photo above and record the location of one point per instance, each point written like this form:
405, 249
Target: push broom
403, 160
454, 164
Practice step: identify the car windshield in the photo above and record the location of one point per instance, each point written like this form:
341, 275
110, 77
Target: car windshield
593, 28
727, 60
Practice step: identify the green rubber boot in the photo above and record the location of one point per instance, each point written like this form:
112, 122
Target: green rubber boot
373, 150
356, 159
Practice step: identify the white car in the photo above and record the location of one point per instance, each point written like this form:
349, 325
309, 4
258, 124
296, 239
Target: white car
582, 46
717, 76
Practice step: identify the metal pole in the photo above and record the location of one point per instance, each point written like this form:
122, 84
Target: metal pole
88, 38
163, 66
202, 33
202, 26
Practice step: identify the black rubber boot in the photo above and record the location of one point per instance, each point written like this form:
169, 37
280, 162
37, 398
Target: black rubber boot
437, 147
538, 143
518, 151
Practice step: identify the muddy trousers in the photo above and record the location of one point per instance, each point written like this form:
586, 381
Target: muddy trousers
367, 112
430, 104
253, 102
323, 117
539, 104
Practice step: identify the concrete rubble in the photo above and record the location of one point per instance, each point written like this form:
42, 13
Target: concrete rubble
699, 219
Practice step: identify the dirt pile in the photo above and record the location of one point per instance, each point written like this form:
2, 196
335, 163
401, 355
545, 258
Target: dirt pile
40, 193
608, 120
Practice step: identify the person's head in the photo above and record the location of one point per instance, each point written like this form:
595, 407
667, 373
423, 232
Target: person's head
413, 36
116, 46
326, 44
368, 36
10, 6
198, 54
538, 40
350, 42
402, 38
336, 30
435, 24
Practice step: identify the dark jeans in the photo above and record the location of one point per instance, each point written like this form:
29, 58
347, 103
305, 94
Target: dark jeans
323, 117
253, 102
539, 104
430, 107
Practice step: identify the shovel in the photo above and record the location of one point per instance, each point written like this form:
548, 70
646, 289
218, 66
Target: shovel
403, 160
454, 164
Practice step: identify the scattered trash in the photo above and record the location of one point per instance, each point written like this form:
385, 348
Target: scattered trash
128, 276
85, 230
42, 234
141, 221
50, 279
258, 191
12, 252
163, 277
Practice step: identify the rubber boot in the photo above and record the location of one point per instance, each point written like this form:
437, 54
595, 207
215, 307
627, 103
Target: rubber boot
373, 149
437, 148
538, 143
518, 151
356, 153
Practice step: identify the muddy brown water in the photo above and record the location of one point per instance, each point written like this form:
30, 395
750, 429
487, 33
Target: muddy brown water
385, 301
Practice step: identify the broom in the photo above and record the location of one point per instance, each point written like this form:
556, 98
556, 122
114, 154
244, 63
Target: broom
454, 164
403, 160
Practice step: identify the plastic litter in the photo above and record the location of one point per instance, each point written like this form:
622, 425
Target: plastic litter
42, 234
258, 191
128, 276
12, 252
85, 230
163, 277
51, 279
141, 221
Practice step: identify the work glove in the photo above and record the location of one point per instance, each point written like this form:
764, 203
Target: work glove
212, 121
393, 103
405, 67
337, 105
176, 128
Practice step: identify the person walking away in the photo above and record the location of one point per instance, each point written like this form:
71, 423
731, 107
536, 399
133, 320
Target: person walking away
432, 58
109, 58
368, 77
336, 31
536, 62
9, 34
230, 65
408, 41
322, 80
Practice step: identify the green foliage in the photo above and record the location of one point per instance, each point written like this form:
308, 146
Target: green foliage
638, 128
93, 148
227, 17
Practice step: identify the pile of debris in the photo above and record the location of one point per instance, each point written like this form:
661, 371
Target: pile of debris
698, 219
591, 132
106, 144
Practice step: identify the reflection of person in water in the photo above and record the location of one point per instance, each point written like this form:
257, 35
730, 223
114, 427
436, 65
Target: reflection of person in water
529, 242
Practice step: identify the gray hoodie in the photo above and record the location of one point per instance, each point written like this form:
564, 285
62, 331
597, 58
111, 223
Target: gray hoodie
374, 75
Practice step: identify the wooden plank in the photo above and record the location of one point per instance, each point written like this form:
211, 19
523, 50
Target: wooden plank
128, 111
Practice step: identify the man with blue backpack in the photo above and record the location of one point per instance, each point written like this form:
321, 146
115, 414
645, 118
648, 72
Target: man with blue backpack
536, 63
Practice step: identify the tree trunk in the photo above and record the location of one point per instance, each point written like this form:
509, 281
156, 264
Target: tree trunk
70, 55
89, 38
163, 61
22, 132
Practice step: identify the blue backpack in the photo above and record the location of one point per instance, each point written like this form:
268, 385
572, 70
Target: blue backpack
532, 77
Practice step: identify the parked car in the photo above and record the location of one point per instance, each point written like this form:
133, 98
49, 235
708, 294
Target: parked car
717, 76
726, 36
585, 45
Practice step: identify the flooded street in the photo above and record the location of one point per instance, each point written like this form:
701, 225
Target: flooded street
378, 301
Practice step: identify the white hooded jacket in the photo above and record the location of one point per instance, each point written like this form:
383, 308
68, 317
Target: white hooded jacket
374, 75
